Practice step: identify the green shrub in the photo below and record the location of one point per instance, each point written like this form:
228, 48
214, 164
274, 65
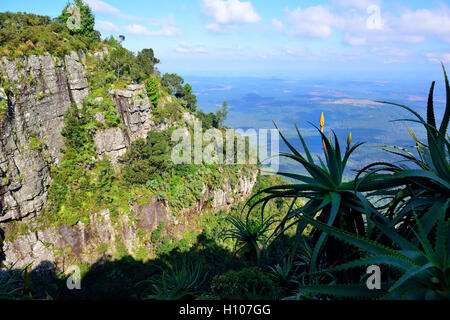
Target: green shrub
23, 34
3, 108
152, 90
157, 233
209, 120
173, 84
170, 111
146, 158
165, 247
121, 250
142, 254
181, 281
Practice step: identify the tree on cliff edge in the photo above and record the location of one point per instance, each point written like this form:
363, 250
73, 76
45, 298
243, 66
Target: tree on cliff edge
87, 19
153, 90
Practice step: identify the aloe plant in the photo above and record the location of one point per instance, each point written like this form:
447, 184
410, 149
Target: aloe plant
422, 188
398, 234
329, 198
12, 283
282, 273
423, 272
178, 282
250, 236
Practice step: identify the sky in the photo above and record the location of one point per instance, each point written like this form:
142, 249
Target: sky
336, 39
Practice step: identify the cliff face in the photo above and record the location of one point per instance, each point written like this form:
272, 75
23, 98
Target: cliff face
39, 90
56, 247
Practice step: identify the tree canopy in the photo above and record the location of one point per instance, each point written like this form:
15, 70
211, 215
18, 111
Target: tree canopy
79, 10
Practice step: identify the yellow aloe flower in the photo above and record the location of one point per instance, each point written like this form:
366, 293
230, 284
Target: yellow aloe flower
322, 121
322, 124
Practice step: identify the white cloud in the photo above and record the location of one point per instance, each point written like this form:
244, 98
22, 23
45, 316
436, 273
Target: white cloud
217, 28
433, 57
138, 29
184, 47
229, 14
424, 21
102, 7
277, 24
107, 26
355, 41
359, 4
404, 25
164, 26
312, 22
291, 51
391, 52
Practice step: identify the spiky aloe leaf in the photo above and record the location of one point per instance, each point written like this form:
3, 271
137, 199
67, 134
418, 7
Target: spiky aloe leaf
442, 234
429, 219
409, 274
430, 109
422, 235
332, 161
395, 237
401, 263
335, 205
305, 147
413, 174
360, 242
318, 173
444, 123
298, 177
349, 152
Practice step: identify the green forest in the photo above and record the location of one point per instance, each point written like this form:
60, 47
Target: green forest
297, 237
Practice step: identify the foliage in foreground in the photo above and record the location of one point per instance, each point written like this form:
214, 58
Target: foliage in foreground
408, 236
420, 271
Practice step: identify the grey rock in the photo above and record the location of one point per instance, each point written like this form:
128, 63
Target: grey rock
111, 143
100, 117
134, 109
76, 72
43, 89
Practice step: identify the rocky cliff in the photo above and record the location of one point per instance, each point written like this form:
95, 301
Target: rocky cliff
38, 91
89, 242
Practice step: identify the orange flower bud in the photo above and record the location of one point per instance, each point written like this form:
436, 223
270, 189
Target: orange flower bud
349, 139
322, 121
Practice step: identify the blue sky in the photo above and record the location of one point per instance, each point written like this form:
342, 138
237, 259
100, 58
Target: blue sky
356, 39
